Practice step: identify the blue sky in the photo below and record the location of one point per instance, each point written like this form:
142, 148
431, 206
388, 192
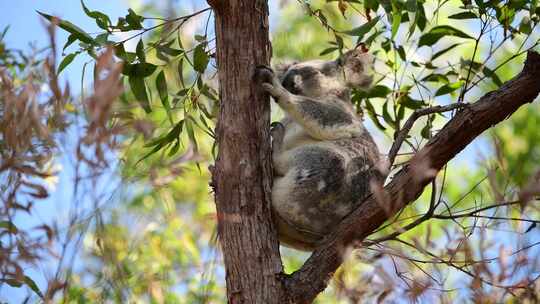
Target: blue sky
27, 26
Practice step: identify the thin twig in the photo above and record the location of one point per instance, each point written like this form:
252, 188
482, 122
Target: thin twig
404, 132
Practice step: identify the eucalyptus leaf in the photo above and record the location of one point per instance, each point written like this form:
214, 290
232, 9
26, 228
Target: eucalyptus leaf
438, 32
139, 50
30, 283
138, 86
134, 20
363, 29
448, 88
102, 20
463, 15
161, 85
139, 69
71, 38
70, 27
66, 61
9, 226
200, 58
443, 51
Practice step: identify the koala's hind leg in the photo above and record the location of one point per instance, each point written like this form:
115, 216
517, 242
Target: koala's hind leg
308, 196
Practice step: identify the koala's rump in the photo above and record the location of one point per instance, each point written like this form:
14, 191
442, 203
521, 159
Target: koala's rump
320, 187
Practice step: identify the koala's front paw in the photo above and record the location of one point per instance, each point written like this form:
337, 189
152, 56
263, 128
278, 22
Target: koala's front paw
263, 74
267, 79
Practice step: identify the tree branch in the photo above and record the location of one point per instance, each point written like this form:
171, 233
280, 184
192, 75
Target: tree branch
407, 185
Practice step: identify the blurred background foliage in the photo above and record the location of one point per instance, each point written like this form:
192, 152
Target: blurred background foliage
153, 240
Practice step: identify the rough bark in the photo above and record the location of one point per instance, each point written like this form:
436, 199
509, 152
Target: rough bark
407, 185
242, 175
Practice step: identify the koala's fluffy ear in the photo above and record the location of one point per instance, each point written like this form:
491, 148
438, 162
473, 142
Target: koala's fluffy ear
281, 68
359, 51
357, 65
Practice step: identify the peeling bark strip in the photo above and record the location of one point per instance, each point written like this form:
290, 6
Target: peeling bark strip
406, 186
242, 175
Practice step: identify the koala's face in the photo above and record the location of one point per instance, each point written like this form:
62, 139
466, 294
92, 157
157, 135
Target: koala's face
318, 78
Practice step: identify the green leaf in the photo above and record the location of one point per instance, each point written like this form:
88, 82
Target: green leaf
426, 131
175, 148
138, 86
412, 25
421, 21
140, 51
66, 61
386, 116
169, 51
436, 78
142, 70
9, 226
411, 5
371, 4
475, 65
441, 52
169, 137
200, 58
378, 91
369, 40
363, 29
102, 39
491, 74
525, 26
200, 38
438, 32
121, 53
30, 283
71, 38
400, 114
410, 103
134, 20
396, 20
401, 52
191, 133
448, 88
373, 115
386, 44
180, 69
328, 51
69, 27
101, 19
463, 15
161, 85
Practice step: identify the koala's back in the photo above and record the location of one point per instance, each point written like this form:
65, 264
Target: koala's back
321, 184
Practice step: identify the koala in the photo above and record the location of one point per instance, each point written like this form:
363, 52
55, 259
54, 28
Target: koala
323, 157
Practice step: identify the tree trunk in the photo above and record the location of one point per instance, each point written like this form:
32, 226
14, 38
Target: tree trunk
242, 176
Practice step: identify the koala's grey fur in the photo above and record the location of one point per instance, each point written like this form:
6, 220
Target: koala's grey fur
324, 159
